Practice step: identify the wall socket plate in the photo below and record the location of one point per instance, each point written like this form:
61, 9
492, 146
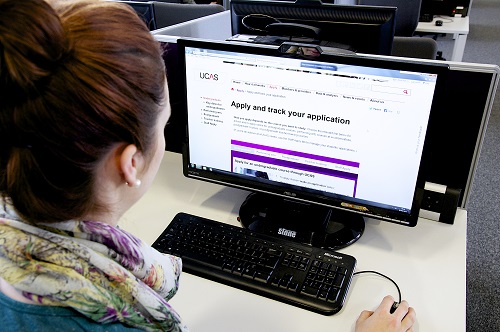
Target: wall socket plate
439, 203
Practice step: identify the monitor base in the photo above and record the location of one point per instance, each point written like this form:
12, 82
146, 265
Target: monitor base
303, 222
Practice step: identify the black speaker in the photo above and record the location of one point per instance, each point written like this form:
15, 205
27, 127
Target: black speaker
439, 203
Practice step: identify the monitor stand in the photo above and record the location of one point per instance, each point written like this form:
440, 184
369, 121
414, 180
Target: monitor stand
303, 222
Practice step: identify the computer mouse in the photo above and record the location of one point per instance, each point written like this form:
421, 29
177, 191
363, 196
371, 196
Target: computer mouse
439, 23
394, 306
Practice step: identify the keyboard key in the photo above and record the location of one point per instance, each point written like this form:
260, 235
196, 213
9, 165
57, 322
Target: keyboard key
310, 291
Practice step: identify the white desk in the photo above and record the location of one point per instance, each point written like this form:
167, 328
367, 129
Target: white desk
428, 263
458, 26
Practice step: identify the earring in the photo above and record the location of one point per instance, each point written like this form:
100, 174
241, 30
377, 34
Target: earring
136, 184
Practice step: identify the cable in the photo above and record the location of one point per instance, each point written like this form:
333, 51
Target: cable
382, 275
444, 19
246, 25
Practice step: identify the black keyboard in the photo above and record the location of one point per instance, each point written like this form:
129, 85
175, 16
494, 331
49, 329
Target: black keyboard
311, 278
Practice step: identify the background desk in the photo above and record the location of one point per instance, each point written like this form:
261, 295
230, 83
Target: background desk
458, 26
428, 263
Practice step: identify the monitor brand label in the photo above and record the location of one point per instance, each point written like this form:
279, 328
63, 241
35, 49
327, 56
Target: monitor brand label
286, 232
332, 256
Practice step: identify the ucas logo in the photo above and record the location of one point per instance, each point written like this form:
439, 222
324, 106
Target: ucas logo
208, 76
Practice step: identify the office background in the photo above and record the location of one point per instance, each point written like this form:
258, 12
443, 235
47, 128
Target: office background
483, 233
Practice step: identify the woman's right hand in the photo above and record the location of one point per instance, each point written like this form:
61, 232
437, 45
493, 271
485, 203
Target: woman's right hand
382, 320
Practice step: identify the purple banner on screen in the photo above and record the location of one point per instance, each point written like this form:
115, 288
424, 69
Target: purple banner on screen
296, 153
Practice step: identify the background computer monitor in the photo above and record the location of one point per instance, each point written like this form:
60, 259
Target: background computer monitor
145, 10
444, 7
364, 29
322, 142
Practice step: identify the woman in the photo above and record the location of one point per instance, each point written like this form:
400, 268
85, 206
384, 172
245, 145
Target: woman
83, 106
82, 118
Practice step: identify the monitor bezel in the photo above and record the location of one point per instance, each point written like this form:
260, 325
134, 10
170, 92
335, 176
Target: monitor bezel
304, 196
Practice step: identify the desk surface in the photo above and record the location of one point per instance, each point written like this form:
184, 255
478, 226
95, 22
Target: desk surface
427, 262
459, 25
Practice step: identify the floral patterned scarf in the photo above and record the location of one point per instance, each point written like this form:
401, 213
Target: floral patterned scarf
101, 271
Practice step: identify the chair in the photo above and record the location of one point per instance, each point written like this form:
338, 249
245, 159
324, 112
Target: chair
415, 47
407, 16
168, 14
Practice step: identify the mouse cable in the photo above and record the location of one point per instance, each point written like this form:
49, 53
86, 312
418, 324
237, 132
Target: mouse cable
382, 275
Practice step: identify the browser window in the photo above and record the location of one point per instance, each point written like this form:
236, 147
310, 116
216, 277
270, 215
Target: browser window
341, 129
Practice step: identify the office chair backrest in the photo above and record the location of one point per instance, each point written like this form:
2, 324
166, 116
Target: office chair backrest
168, 14
415, 47
407, 14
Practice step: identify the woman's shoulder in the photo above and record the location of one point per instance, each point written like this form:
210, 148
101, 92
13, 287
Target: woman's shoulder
18, 316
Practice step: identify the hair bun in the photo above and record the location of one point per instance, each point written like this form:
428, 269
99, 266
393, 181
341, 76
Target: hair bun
32, 42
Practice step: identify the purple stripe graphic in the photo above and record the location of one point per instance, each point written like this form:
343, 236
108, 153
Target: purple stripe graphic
294, 165
296, 153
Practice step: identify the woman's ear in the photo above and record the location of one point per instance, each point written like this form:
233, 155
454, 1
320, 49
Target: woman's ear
131, 160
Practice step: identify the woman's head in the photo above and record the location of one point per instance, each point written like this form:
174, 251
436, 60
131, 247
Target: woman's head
76, 80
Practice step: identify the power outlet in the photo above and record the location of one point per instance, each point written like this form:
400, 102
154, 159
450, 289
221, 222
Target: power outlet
439, 203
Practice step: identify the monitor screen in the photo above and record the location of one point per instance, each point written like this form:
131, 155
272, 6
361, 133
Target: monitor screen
363, 29
313, 137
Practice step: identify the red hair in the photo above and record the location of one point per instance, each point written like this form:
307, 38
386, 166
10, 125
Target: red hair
76, 79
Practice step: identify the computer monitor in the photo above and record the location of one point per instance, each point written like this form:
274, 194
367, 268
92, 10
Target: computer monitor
145, 10
363, 29
444, 7
321, 142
